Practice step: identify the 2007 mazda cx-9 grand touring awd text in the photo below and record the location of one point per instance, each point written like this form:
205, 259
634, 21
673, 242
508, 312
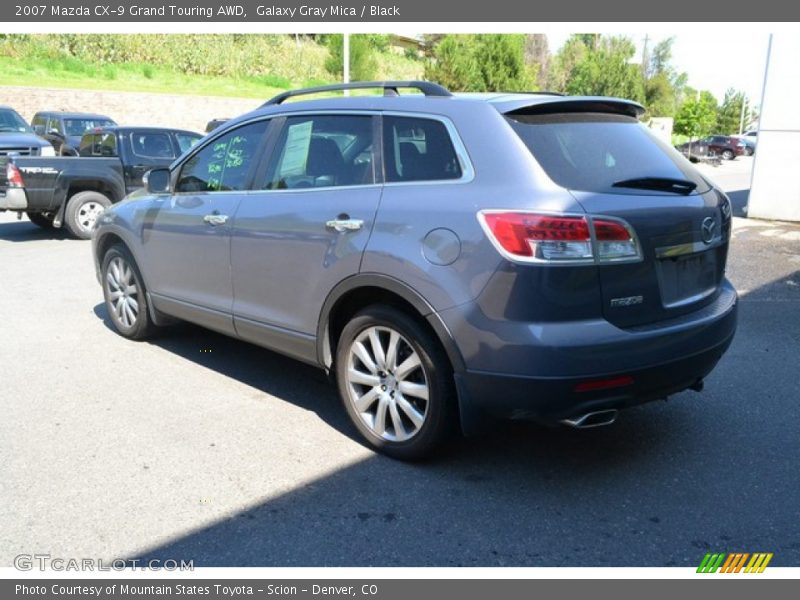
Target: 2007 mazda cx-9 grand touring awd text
448, 258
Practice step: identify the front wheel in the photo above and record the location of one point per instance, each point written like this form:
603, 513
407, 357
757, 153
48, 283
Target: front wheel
728, 154
395, 382
124, 293
82, 211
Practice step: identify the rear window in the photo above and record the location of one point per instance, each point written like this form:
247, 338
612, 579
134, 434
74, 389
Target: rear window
77, 127
593, 151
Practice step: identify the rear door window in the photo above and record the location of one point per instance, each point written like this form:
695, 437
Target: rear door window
594, 151
322, 151
418, 149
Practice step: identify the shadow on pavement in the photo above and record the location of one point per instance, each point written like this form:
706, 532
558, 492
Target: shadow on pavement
25, 231
663, 486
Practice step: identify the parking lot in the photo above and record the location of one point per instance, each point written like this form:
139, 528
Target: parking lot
196, 446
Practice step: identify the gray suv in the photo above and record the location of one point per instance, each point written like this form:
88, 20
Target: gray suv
447, 258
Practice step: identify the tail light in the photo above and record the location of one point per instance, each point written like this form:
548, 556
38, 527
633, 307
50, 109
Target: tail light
13, 176
560, 239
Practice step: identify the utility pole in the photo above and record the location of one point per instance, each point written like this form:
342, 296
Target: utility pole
741, 119
346, 60
645, 58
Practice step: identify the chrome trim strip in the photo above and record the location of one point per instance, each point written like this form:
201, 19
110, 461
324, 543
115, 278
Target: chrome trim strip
688, 248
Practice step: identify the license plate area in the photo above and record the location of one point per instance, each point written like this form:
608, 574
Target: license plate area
687, 279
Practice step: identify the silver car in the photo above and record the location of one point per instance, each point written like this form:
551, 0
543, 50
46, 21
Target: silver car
448, 258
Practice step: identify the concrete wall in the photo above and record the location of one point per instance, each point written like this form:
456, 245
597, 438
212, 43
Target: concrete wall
775, 188
129, 108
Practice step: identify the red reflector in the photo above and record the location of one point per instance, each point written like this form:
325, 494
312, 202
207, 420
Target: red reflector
610, 231
515, 231
604, 384
13, 176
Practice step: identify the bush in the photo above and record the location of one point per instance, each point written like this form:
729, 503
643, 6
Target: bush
481, 63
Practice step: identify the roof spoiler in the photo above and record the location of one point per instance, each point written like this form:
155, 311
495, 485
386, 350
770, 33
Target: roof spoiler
390, 88
572, 104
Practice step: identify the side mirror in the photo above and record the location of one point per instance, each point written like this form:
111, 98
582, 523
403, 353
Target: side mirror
156, 181
54, 132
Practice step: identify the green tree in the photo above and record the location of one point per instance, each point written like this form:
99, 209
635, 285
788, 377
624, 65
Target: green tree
593, 65
730, 113
663, 87
363, 63
481, 63
697, 116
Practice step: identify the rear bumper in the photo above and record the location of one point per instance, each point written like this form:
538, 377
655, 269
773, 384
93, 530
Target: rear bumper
545, 363
14, 199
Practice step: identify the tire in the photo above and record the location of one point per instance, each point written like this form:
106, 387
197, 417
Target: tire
82, 211
394, 417
125, 294
40, 219
748, 151
728, 154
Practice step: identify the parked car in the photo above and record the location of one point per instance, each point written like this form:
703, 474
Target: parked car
751, 134
73, 191
694, 150
17, 137
447, 258
724, 146
749, 144
64, 130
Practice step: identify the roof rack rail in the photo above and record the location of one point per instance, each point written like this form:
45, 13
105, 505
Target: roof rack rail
389, 89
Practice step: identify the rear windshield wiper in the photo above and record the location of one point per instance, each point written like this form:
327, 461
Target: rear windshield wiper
662, 184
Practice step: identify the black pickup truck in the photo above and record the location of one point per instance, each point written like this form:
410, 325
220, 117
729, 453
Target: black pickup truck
73, 191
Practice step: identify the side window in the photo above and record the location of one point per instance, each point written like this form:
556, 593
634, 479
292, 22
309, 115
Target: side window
88, 145
322, 151
152, 145
418, 149
54, 124
223, 165
186, 140
106, 145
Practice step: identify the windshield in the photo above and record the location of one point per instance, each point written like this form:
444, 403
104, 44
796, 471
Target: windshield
11, 121
77, 127
597, 152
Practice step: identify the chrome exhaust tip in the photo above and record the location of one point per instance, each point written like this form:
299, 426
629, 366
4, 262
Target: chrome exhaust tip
597, 418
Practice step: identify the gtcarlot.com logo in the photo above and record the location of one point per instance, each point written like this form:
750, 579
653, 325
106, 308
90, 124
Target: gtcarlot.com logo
734, 562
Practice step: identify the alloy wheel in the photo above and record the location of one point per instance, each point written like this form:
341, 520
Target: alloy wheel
387, 384
123, 293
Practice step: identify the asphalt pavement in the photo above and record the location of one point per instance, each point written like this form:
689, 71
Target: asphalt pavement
196, 446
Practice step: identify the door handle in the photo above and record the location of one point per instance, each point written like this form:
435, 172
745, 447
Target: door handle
342, 225
215, 219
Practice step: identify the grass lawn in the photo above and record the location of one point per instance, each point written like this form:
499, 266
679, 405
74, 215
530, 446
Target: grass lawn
69, 73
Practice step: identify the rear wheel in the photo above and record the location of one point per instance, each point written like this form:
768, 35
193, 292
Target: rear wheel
41, 219
82, 211
124, 293
395, 382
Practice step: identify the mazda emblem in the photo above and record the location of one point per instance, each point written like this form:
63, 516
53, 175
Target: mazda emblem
707, 230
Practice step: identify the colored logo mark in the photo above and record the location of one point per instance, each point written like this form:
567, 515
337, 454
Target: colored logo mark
735, 562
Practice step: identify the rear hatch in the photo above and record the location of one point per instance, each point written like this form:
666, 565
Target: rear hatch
614, 166
3, 175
